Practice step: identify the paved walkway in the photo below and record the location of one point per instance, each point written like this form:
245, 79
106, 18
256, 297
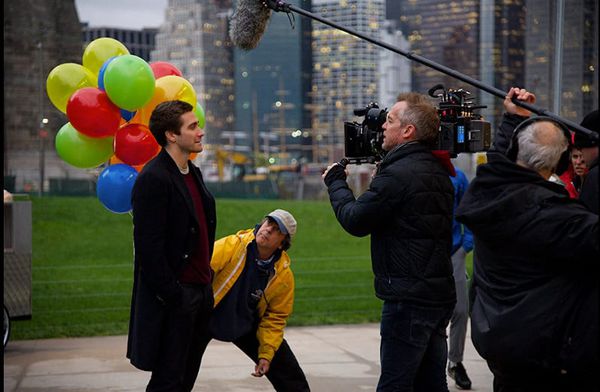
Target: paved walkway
341, 358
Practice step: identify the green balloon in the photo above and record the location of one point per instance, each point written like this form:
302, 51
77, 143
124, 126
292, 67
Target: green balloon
64, 80
82, 151
199, 112
129, 82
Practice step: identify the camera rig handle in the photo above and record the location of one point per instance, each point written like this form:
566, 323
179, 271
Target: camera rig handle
282, 6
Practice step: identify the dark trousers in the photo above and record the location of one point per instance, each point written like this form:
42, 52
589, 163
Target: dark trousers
186, 325
413, 348
284, 372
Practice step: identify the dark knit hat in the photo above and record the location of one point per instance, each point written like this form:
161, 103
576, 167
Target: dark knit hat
591, 122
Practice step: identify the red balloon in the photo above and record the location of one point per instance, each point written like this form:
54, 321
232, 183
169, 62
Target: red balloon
135, 145
162, 68
92, 113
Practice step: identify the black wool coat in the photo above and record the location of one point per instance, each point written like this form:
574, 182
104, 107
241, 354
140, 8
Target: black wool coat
535, 272
165, 231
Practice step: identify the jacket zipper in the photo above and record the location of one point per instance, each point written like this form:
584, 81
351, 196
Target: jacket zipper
239, 262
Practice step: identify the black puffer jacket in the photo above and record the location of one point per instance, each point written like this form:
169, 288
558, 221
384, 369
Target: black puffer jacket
407, 210
535, 273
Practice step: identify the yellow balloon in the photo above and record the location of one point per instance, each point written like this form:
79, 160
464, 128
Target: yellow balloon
168, 88
171, 88
64, 80
100, 50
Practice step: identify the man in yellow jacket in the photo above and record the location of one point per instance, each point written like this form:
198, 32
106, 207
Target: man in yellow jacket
253, 289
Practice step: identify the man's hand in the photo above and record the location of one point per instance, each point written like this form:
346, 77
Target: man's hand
261, 368
522, 95
374, 172
334, 172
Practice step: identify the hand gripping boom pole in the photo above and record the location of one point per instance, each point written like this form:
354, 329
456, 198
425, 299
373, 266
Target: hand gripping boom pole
282, 6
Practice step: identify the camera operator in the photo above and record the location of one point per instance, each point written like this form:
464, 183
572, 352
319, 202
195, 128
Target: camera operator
407, 210
535, 313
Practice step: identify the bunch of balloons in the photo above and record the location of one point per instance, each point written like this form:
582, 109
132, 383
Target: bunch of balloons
108, 100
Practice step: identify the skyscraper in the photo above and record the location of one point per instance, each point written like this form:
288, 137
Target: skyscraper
568, 85
195, 39
502, 27
345, 70
446, 33
272, 86
453, 35
506, 44
527, 43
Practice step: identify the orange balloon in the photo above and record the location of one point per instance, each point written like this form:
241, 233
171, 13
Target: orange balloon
114, 160
141, 117
193, 156
139, 167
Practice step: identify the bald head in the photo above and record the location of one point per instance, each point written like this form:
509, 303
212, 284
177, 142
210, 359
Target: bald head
540, 146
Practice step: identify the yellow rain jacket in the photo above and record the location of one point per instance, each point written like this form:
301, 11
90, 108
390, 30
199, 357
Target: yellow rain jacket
275, 306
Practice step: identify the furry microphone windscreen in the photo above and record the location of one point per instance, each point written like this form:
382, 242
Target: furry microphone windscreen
248, 23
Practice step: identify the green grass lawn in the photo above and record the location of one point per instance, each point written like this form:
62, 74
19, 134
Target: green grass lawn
83, 266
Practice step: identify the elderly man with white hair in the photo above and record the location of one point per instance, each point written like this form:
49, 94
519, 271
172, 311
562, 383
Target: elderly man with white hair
535, 291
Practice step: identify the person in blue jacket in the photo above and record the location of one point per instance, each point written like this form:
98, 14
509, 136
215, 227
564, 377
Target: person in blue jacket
462, 243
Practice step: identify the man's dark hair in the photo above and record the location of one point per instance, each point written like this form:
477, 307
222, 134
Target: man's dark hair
167, 117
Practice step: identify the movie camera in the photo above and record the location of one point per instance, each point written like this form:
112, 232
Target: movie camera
461, 130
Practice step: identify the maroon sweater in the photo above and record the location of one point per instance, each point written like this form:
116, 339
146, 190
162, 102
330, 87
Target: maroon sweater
198, 270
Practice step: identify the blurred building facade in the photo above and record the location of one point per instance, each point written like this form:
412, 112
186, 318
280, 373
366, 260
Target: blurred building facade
194, 38
575, 72
506, 44
345, 69
481, 39
272, 90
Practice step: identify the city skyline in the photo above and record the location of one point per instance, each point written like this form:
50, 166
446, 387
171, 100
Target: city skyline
128, 14
524, 35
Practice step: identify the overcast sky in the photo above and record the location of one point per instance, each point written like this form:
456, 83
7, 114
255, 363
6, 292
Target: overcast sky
128, 14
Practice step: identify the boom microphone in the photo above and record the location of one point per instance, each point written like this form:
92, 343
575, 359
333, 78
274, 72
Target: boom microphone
248, 23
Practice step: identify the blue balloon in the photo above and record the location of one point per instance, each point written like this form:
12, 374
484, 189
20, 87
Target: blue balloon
127, 115
101, 73
114, 187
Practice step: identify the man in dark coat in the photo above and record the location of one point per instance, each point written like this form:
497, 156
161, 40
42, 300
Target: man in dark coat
174, 230
407, 210
535, 313
589, 190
